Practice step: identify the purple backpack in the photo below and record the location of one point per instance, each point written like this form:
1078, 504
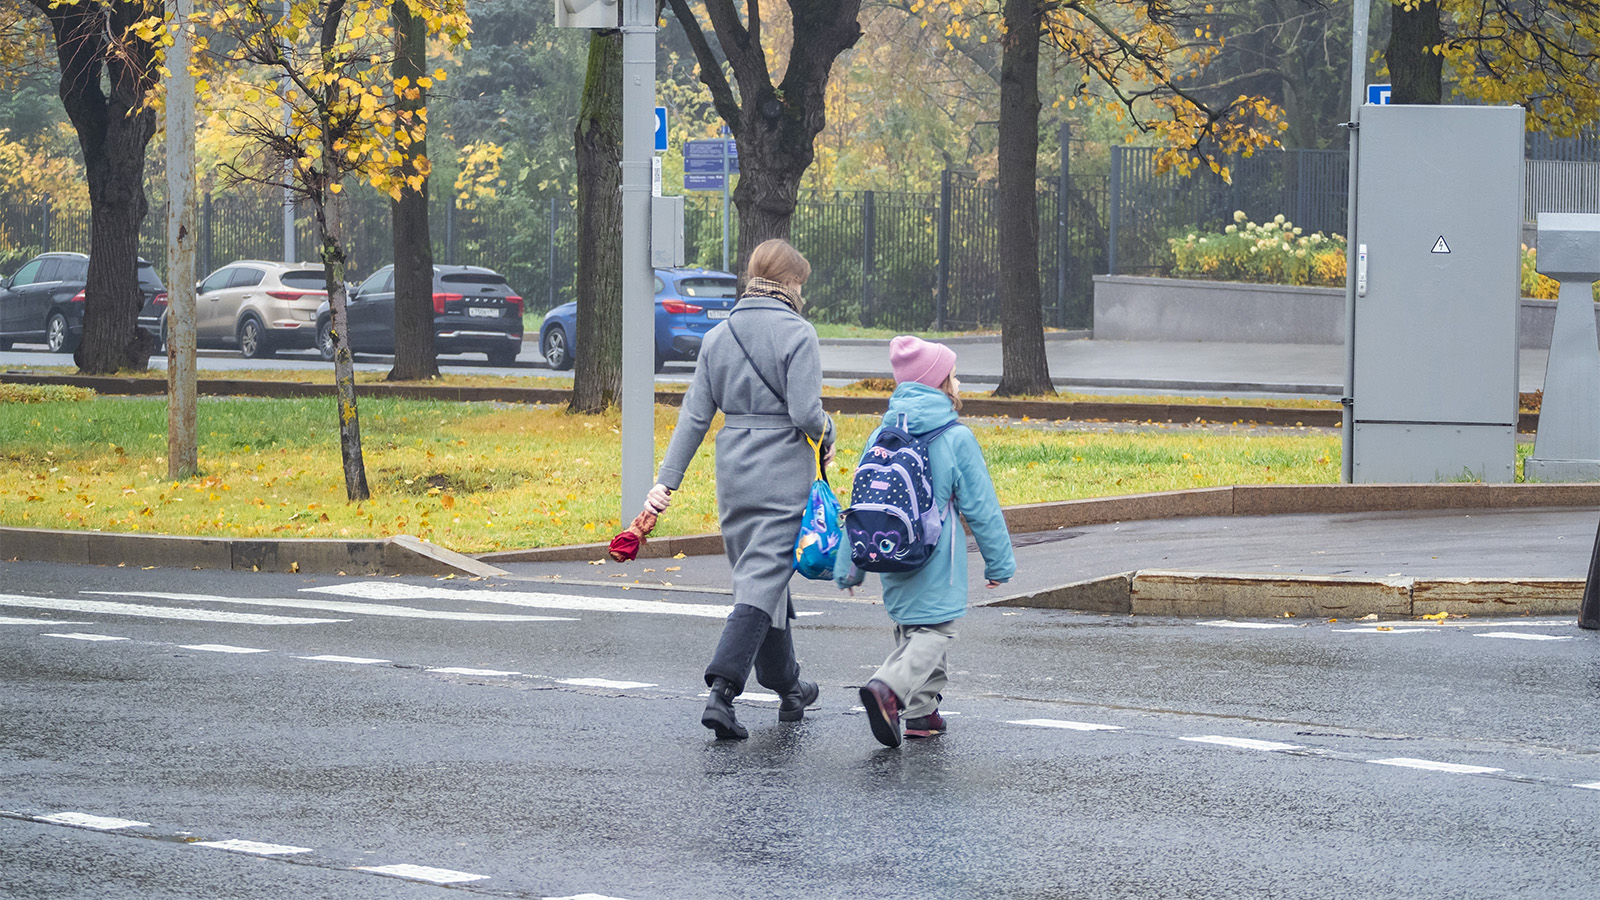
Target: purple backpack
892, 524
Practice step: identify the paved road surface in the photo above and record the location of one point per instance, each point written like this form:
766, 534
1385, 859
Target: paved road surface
356, 725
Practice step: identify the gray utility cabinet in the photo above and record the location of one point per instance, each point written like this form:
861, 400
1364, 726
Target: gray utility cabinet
1438, 220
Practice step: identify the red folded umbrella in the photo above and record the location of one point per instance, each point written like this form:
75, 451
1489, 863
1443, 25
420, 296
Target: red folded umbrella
625, 546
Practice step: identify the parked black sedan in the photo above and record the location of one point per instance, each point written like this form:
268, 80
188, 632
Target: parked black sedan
474, 311
42, 302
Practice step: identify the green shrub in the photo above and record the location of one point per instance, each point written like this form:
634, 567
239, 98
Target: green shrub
1276, 252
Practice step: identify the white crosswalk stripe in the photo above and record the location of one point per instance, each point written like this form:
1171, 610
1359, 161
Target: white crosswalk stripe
80, 636
84, 820
10, 620
423, 873
365, 609
254, 848
104, 607
380, 590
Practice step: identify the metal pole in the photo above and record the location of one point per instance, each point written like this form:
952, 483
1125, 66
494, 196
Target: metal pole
1063, 248
1358, 87
724, 200
44, 222
1589, 611
288, 173
183, 456
552, 280
638, 295
942, 293
869, 216
1114, 214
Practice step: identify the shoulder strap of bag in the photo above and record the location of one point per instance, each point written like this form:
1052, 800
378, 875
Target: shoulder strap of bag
927, 437
752, 361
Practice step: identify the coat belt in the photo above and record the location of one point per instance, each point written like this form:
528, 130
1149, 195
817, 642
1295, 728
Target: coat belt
757, 421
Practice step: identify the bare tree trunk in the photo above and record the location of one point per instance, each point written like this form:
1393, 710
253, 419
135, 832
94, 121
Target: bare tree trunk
415, 357
597, 373
775, 125
1024, 369
1417, 74
114, 130
326, 210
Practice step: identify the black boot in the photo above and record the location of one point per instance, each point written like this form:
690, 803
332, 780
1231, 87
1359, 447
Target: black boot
719, 715
796, 699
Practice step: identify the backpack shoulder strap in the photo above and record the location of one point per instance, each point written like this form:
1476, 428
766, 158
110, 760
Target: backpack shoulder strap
752, 361
928, 437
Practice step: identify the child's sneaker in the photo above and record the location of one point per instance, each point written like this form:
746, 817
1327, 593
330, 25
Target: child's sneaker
930, 725
883, 712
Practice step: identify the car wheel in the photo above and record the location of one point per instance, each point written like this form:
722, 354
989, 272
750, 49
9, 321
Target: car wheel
325, 339
502, 357
253, 339
57, 335
557, 352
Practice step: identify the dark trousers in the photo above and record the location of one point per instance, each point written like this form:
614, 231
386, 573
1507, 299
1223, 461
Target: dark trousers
749, 639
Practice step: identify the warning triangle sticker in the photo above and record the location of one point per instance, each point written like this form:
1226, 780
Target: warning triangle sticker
1440, 246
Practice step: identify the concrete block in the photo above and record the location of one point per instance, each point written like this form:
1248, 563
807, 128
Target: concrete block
40, 545
321, 556
404, 555
1497, 596
1164, 593
1131, 507
1111, 594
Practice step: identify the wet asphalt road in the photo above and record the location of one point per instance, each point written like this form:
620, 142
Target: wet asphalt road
557, 789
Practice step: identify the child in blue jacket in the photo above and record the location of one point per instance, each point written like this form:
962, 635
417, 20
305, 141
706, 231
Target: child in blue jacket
924, 603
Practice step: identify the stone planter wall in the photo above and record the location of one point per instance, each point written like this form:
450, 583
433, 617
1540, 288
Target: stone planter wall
1133, 308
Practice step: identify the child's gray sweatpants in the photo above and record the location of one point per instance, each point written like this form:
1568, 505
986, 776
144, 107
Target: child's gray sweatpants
916, 670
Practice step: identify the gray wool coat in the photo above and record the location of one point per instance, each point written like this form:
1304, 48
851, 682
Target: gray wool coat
764, 464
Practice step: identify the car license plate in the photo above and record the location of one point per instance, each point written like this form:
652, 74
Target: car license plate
718, 313
483, 312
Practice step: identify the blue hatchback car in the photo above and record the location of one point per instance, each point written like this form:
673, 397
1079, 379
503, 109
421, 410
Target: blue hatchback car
688, 303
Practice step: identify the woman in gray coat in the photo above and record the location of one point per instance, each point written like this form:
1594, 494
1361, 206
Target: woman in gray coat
762, 369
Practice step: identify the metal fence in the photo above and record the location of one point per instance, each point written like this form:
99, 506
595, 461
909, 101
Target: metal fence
909, 261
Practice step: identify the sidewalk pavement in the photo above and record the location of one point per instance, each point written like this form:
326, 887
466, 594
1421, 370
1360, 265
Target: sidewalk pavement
1145, 366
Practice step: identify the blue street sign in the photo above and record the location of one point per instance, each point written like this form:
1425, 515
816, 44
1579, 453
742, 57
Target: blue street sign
661, 129
1378, 94
696, 182
710, 164
711, 147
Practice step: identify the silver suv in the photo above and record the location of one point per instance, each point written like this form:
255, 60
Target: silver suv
260, 307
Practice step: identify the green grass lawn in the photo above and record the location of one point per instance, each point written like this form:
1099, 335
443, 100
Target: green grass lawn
477, 477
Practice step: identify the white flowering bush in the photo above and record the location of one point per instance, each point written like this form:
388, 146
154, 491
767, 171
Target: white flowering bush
1275, 252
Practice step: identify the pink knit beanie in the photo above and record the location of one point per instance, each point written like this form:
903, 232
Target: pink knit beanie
914, 359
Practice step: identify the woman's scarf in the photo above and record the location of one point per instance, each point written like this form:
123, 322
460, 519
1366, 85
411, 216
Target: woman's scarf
761, 287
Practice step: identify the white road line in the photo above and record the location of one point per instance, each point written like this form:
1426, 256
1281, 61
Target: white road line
754, 697
84, 820
8, 620
584, 897
154, 612
254, 848
1525, 637
380, 590
1592, 786
1381, 629
1241, 743
423, 873
352, 660
365, 609
604, 683
1406, 762
1251, 624
457, 670
80, 636
1063, 723
220, 648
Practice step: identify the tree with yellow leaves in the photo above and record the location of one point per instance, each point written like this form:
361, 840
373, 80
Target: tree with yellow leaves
1542, 54
328, 63
1138, 60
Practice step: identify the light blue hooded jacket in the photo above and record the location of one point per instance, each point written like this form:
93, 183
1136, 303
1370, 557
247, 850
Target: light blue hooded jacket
937, 592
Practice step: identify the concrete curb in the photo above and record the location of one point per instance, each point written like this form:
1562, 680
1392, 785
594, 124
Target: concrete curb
1051, 410
1241, 500
1257, 596
1068, 334
400, 555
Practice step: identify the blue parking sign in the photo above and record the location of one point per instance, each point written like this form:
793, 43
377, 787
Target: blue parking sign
1378, 94
661, 129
